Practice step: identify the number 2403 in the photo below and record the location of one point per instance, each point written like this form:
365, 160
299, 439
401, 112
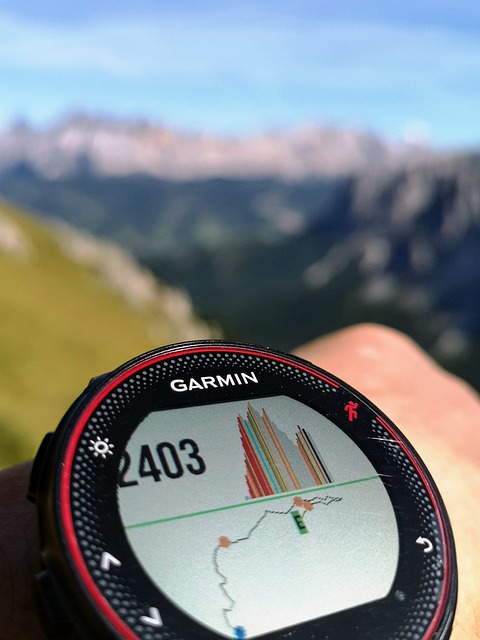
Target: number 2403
169, 460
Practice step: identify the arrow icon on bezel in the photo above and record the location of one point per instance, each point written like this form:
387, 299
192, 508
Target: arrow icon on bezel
108, 560
154, 619
426, 543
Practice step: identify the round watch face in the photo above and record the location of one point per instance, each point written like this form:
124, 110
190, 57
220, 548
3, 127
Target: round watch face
216, 490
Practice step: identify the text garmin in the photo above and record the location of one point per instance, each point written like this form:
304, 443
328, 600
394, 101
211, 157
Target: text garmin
215, 382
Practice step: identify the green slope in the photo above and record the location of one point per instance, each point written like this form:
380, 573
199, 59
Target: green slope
60, 324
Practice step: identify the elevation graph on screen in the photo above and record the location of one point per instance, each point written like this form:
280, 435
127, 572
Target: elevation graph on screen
274, 463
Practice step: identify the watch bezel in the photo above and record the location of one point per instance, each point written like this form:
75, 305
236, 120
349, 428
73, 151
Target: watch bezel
62, 551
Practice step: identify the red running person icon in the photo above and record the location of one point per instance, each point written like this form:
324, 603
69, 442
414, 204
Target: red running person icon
351, 409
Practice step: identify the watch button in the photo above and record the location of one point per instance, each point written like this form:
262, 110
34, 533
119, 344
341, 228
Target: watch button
97, 380
37, 466
53, 616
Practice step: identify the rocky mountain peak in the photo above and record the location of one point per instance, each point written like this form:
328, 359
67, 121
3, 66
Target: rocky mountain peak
112, 147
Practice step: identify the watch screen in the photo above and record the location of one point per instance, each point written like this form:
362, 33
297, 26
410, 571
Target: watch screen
255, 515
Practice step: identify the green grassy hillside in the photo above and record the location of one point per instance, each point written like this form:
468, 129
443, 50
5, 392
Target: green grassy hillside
60, 324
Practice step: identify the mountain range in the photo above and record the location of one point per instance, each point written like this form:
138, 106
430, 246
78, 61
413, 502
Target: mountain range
279, 237
109, 147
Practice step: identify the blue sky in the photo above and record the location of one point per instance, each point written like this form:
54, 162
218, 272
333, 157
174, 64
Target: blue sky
401, 69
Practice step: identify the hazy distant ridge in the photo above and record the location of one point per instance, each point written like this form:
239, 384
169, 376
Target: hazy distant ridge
116, 148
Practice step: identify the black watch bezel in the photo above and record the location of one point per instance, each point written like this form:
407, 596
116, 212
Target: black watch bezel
80, 521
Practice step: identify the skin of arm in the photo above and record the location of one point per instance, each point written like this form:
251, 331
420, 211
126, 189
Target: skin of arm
438, 413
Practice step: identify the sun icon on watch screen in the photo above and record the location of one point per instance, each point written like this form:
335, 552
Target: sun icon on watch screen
101, 447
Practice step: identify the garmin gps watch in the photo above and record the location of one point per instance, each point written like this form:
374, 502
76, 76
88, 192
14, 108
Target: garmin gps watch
210, 490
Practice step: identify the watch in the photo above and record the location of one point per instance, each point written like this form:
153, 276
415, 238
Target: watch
212, 489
